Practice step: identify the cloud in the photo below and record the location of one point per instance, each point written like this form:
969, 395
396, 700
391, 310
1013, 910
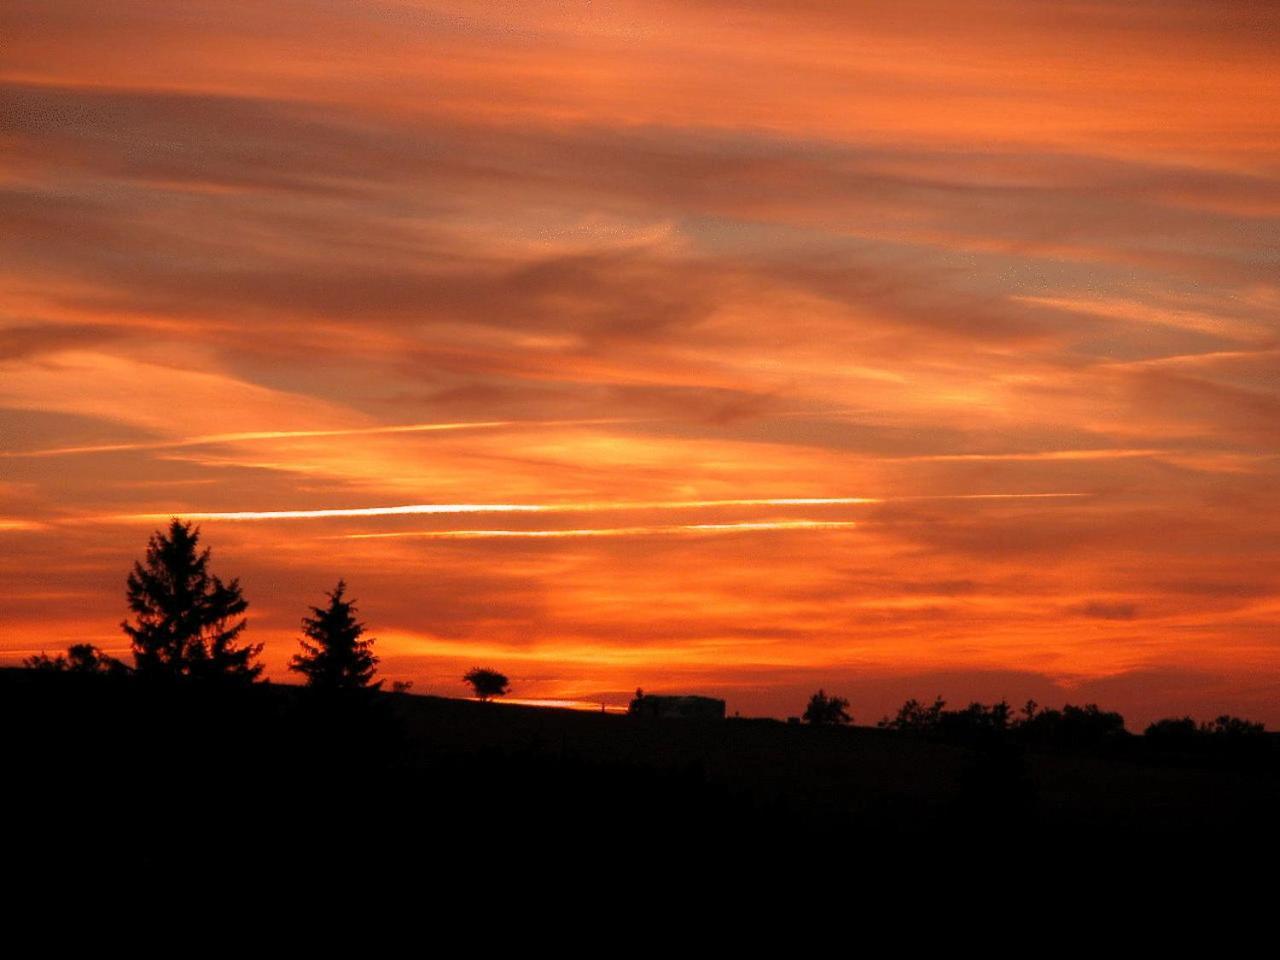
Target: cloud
219, 439
168, 399
1002, 279
1103, 610
764, 526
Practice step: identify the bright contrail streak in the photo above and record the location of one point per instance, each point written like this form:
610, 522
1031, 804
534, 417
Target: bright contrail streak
988, 496
213, 439
1102, 454
445, 509
689, 528
436, 509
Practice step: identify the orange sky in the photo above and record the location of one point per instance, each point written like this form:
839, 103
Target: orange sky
774, 313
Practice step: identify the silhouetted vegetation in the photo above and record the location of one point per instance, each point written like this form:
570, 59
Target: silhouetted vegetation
79, 658
1224, 735
334, 655
1172, 732
247, 778
1232, 727
187, 622
487, 684
915, 717
827, 711
1069, 727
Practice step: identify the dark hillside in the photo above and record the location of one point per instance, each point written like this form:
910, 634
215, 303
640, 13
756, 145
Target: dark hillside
163, 775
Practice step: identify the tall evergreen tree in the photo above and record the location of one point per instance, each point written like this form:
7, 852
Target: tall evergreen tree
334, 657
187, 622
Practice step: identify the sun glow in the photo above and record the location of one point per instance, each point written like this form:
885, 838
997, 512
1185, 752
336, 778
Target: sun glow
919, 348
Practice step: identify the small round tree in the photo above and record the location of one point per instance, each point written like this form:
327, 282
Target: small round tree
487, 684
825, 711
334, 657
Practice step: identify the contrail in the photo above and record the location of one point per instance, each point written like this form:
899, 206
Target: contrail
986, 496
445, 509
1100, 454
435, 509
693, 528
218, 438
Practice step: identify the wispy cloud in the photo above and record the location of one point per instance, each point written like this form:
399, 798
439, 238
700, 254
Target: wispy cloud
759, 526
10, 525
1001, 276
255, 436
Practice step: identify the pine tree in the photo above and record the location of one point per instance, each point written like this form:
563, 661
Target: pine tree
334, 657
186, 621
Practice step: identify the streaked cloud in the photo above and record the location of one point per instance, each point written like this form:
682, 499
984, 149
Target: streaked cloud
759, 526
218, 439
995, 280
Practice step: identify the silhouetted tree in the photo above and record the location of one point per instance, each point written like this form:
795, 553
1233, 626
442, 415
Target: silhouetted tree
975, 724
1171, 733
79, 658
1224, 736
1181, 731
1071, 727
915, 717
487, 684
334, 657
975, 720
1232, 727
824, 711
186, 621
42, 661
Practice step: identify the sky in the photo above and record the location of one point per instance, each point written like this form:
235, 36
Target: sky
895, 348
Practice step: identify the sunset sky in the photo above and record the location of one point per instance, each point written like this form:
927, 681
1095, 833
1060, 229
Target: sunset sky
898, 348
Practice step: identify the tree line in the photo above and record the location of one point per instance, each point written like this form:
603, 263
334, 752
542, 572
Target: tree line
187, 624
1072, 726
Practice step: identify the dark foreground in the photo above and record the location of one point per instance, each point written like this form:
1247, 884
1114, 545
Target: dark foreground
105, 773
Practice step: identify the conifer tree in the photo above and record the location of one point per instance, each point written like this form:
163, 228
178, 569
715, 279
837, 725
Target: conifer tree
334, 657
187, 622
